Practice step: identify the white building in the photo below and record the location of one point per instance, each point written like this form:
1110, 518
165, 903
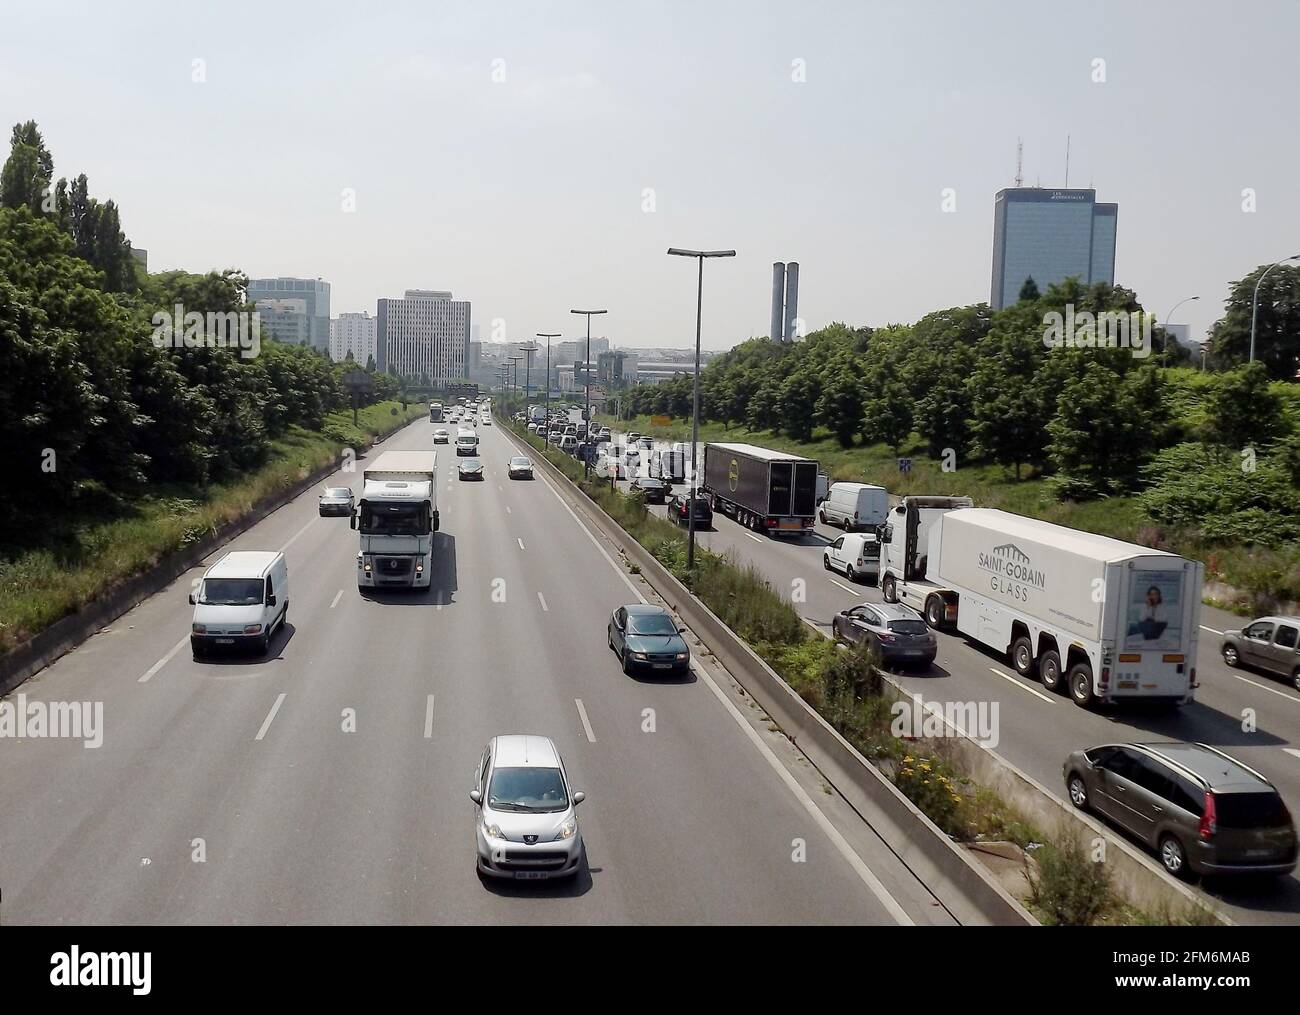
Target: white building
356, 334
285, 320
424, 334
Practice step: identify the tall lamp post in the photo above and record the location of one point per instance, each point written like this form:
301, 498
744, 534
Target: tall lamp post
528, 378
1164, 351
548, 337
699, 255
586, 375
514, 374
1254, 301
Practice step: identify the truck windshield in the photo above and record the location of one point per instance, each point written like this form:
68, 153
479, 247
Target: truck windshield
232, 591
393, 520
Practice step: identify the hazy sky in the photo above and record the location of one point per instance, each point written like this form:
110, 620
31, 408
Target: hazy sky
526, 195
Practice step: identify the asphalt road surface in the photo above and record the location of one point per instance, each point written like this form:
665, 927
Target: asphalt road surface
329, 782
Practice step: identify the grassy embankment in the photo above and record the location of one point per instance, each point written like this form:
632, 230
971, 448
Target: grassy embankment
84, 558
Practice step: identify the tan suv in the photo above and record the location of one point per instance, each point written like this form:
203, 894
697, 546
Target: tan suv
1269, 643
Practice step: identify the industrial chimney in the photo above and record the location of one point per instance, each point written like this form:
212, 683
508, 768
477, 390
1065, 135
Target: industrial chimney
778, 297
791, 299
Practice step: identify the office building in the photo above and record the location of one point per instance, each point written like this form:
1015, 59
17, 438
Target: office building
311, 295
1049, 236
424, 334
355, 334
285, 321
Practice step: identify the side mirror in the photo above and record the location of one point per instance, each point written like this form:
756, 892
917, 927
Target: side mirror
352, 520
191, 598
578, 798
681, 630
477, 797
270, 600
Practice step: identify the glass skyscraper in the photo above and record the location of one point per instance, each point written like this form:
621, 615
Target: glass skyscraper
1050, 235
315, 297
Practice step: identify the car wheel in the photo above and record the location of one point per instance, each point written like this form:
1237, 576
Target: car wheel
826, 561
1230, 656
1022, 656
1049, 670
609, 638
835, 630
1173, 857
888, 590
1078, 791
1295, 678
626, 666
849, 573
934, 611
1080, 678
821, 517
264, 644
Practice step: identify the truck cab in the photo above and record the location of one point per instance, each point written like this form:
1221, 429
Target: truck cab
396, 517
904, 540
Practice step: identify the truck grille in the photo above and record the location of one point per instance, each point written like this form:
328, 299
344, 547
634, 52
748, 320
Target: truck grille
393, 570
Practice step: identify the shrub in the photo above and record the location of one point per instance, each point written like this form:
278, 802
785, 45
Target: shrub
1069, 889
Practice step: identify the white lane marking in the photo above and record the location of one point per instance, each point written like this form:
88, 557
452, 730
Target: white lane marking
164, 660
297, 534
428, 718
542, 599
1292, 751
337, 596
586, 723
498, 486
270, 716
753, 537
1012, 680
520, 542
1270, 690
841, 844
1211, 630
844, 587
508, 511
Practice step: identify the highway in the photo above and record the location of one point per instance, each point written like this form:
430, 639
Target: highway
1038, 729
329, 782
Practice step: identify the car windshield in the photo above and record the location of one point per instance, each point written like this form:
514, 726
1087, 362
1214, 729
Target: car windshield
232, 591
651, 484
650, 623
908, 626
531, 790
338, 491
521, 462
470, 463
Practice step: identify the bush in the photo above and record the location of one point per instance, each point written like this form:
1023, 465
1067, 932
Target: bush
1069, 889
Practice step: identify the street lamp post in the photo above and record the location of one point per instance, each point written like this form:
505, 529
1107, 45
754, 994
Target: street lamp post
586, 375
699, 255
1164, 351
548, 337
528, 380
1254, 301
514, 375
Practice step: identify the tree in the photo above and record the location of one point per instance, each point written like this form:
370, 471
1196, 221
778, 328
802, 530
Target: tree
1010, 407
1243, 410
1029, 291
796, 403
839, 406
887, 410
1277, 326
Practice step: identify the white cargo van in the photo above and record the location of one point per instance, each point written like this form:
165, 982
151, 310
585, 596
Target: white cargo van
240, 602
855, 506
466, 442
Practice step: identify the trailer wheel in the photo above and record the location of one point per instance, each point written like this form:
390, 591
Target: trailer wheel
888, 592
1022, 656
934, 611
1080, 678
1049, 670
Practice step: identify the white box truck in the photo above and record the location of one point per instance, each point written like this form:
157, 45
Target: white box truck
397, 515
1109, 621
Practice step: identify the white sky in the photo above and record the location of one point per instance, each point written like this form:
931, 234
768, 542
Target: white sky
525, 196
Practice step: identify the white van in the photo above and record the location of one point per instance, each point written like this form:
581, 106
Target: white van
240, 602
855, 506
466, 442
856, 556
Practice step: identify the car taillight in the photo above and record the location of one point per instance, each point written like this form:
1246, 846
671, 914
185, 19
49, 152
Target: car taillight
885, 637
1209, 824
770, 523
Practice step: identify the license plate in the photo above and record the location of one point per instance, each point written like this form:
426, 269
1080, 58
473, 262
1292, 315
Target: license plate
1255, 854
663, 666
225, 641
530, 875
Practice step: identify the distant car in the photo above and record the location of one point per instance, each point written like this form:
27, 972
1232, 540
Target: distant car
568, 443
645, 443
527, 823
896, 631
680, 506
487, 420
856, 556
336, 500
441, 436
532, 428
646, 638
520, 467
655, 491
609, 467
1271, 644
1202, 811
469, 468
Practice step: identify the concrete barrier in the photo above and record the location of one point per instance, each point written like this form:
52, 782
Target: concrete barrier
65, 634
957, 880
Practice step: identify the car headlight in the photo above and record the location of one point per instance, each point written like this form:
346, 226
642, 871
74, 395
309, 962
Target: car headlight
638, 655
683, 655
253, 629
198, 629
493, 830
569, 829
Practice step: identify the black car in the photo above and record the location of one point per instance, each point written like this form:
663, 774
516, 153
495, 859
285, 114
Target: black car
655, 491
678, 506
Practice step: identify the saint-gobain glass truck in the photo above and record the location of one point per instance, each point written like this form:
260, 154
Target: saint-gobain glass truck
397, 515
767, 491
1108, 621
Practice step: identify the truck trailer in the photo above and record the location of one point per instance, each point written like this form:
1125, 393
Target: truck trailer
396, 516
767, 491
1108, 621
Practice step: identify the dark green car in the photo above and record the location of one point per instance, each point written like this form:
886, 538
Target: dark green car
648, 640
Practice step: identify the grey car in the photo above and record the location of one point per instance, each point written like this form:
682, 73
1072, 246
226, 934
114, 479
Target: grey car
896, 631
1271, 644
470, 468
1202, 811
526, 826
336, 500
647, 639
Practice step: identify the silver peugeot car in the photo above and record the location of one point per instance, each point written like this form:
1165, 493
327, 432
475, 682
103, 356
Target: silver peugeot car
527, 821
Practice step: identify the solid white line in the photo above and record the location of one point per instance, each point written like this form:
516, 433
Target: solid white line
1211, 630
337, 596
586, 723
1292, 751
520, 542
270, 716
428, 718
845, 587
1016, 683
508, 511
297, 534
1270, 690
542, 599
164, 660
753, 537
